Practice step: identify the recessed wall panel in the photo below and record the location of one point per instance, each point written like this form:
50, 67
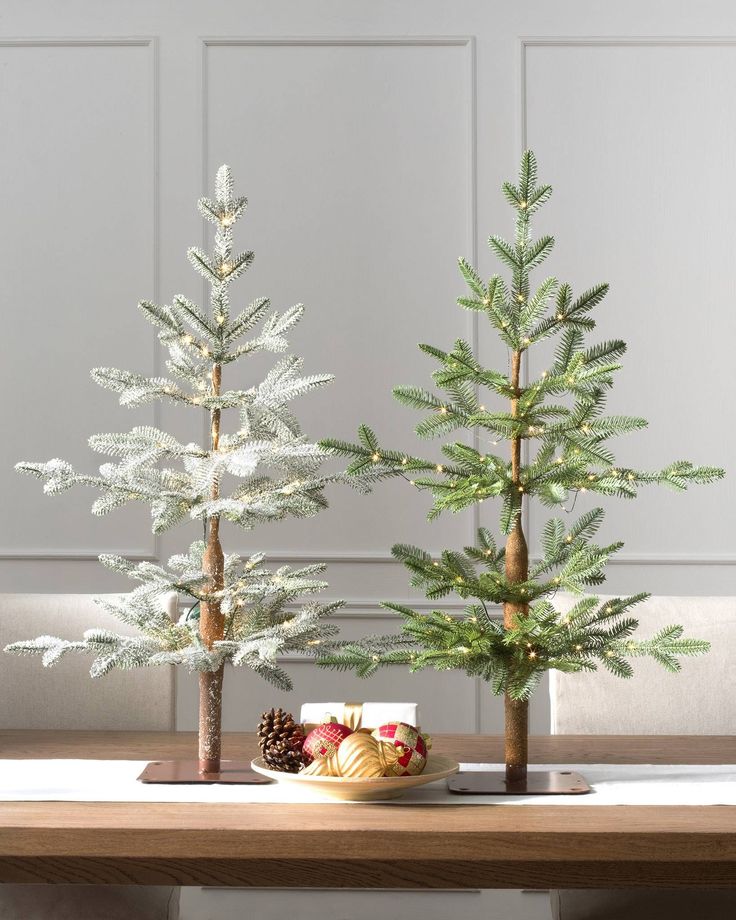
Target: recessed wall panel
637, 140
77, 252
356, 160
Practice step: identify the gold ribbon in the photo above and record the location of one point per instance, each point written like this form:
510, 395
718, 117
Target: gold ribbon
352, 715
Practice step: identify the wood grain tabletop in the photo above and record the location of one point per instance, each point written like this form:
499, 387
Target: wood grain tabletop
370, 845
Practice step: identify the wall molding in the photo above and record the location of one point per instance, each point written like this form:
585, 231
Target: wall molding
633, 559
83, 555
152, 552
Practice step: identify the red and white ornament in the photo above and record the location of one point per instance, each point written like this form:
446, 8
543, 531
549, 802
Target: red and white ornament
410, 741
324, 740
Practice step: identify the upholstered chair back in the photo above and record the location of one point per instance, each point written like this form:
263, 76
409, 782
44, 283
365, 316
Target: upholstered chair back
700, 700
65, 696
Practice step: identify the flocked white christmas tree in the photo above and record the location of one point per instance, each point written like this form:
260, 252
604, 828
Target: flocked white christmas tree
241, 611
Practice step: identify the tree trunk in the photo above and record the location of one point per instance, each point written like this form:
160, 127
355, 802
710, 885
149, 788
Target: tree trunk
212, 624
516, 738
210, 720
516, 732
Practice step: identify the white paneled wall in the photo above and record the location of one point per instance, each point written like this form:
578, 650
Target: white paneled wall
371, 139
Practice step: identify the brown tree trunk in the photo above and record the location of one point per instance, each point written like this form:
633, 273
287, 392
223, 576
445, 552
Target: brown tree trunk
516, 732
212, 624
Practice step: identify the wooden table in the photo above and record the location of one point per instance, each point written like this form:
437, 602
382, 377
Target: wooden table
370, 846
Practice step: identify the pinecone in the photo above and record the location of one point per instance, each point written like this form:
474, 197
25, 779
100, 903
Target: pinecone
281, 739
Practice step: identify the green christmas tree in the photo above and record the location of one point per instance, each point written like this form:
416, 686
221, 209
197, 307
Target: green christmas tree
560, 417
241, 611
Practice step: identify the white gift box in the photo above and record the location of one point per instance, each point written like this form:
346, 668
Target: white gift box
359, 715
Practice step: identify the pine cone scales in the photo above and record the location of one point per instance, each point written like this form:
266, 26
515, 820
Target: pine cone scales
281, 739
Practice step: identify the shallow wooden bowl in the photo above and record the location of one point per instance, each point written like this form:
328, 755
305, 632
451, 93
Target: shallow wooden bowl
363, 790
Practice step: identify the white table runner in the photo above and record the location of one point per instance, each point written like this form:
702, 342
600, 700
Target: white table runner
115, 781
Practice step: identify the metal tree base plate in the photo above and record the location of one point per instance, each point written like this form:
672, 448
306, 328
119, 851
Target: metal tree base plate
232, 772
538, 782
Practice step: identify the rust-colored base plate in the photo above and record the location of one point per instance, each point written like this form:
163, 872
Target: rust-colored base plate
232, 772
537, 782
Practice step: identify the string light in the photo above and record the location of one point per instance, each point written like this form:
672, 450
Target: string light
436, 564
440, 468
522, 205
487, 301
521, 488
220, 319
630, 476
560, 317
375, 457
443, 410
482, 408
527, 340
520, 298
578, 648
532, 654
205, 350
227, 220
404, 461
226, 268
187, 339
568, 538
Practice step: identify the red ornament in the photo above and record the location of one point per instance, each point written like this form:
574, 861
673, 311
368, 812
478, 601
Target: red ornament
324, 740
404, 736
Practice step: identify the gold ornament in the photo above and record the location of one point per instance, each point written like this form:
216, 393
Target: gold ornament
360, 755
